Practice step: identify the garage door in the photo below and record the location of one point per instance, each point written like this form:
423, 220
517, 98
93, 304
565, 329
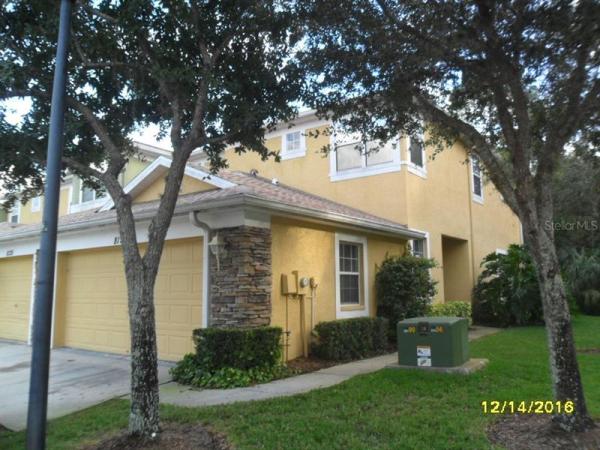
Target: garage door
15, 296
92, 300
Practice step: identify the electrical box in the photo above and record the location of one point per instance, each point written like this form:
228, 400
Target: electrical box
433, 341
286, 287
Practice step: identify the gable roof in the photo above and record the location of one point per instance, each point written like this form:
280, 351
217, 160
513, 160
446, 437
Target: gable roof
242, 189
158, 168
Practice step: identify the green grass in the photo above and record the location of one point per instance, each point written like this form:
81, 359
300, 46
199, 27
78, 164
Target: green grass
384, 410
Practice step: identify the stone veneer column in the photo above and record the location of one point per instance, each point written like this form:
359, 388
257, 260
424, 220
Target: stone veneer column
241, 286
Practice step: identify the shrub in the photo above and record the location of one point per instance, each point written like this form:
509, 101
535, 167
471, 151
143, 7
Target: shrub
453, 309
233, 357
240, 348
404, 289
507, 291
583, 280
188, 371
347, 339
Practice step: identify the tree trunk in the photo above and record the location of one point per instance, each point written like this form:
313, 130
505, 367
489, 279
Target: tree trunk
144, 414
564, 368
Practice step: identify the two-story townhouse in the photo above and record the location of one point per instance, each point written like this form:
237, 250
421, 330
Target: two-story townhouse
445, 196
297, 244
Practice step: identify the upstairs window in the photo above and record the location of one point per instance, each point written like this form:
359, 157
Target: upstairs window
13, 214
353, 156
476, 179
416, 152
36, 204
293, 145
87, 195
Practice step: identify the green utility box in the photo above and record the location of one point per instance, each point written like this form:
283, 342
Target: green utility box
433, 341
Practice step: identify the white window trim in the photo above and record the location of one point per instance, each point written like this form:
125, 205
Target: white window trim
476, 198
341, 313
364, 171
501, 251
34, 207
412, 167
427, 242
287, 154
17, 205
84, 206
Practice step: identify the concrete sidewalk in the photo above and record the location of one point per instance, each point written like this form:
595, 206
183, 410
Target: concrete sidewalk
181, 395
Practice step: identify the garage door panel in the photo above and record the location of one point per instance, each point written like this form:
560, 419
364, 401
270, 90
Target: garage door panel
95, 299
15, 297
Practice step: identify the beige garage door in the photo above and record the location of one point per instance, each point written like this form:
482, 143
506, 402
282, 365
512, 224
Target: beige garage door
15, 296
92, 300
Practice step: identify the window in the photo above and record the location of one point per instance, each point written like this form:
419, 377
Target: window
477, 184
35, 204
355, 157
416, 151
350, 256
293, 145
352, 294
13, 214
418, 248
87, 195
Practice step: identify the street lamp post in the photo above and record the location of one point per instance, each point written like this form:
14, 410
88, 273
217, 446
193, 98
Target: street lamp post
44, 286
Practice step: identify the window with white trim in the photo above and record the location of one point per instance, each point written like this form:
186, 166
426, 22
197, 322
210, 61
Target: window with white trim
350, 273
419, 248
476, 179
87, 195
36, 204
416, 152
353, 156
293, 145
14, 213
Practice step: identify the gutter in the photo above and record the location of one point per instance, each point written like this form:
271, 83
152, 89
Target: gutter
242, 199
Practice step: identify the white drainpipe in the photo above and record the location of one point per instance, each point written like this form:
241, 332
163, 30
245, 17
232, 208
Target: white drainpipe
206, 267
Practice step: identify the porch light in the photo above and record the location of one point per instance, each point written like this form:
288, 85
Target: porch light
217, 248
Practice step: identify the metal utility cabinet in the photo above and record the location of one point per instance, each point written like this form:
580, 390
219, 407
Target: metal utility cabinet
433, 341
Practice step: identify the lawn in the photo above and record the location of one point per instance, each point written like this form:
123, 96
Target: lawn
384, 410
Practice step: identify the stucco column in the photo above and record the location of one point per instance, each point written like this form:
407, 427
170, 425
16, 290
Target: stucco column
241, 278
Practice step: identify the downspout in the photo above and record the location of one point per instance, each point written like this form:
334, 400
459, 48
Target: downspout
206, 231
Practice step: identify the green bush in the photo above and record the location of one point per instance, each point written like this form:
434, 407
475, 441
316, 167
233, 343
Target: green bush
507, 291
583, 280
452, 309
232, 357
343, 340
404, 289
189, 372
239, 348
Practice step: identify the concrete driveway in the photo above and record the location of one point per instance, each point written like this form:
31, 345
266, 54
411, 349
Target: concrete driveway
78, 379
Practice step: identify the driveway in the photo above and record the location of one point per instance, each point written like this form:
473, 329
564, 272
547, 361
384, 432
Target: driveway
78, 379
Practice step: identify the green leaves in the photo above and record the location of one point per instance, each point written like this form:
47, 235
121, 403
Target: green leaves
507, 291
404, 288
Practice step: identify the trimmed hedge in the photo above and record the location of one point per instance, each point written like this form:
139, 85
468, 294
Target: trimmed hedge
238, 348
342, 340
452, 309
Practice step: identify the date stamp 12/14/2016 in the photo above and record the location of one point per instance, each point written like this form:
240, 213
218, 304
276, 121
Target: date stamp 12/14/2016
527, 407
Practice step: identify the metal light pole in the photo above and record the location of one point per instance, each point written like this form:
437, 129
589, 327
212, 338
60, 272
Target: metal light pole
44, 287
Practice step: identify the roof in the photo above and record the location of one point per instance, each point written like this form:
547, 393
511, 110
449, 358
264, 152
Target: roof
247, 190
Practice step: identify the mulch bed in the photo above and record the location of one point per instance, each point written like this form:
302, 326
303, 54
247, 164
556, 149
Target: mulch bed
172, 437
537, 432
309, 364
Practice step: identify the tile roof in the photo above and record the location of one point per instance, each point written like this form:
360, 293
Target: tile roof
247, 187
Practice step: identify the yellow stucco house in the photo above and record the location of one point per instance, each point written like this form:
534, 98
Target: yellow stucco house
314, 224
